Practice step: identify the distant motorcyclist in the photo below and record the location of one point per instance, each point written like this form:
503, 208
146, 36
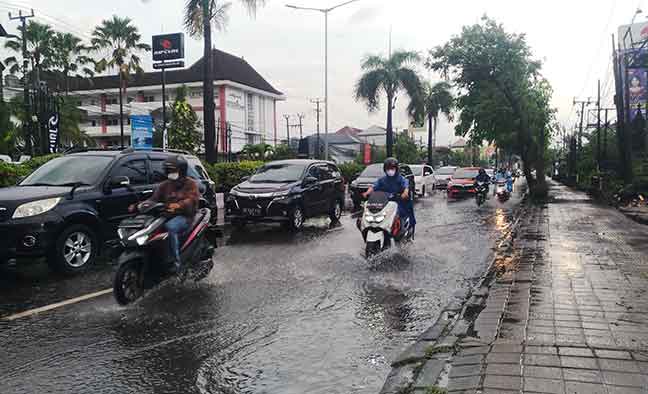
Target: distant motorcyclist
482, 177
181, 197
394, 183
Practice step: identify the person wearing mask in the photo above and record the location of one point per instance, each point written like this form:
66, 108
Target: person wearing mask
483, 177
394, 183
181, 197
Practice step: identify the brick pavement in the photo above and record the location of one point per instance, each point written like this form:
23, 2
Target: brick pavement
568, 312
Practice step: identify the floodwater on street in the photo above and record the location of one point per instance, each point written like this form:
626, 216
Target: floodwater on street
280, 313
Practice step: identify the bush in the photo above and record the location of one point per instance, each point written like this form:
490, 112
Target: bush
350, 171
11, 173
228, 175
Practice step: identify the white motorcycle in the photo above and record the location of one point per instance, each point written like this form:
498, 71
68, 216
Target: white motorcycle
502, 191
381, 225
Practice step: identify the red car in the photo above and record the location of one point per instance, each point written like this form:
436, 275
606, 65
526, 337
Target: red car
462, 182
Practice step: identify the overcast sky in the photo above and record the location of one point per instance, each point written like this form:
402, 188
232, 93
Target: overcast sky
572, 37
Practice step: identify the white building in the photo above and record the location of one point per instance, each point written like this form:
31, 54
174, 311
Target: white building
374, 135
244, 100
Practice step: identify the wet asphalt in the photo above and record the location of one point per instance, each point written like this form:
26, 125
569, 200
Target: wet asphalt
280, 313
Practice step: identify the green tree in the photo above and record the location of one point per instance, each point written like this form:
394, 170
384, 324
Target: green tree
200, 17
283, 152
405, 149
390, 76
70, 57
502, 95
435, 100
39, 49
184, 128
257, 151
119, 41
9, 133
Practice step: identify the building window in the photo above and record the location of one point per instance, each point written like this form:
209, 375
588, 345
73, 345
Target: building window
250, 112
93, 123
196, 94
112, 101
149, 99
250, 139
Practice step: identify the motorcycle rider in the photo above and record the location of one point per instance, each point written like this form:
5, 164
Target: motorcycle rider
181, 197
482, 177
394, 183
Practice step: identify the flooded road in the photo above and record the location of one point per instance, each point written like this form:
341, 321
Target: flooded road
279, 313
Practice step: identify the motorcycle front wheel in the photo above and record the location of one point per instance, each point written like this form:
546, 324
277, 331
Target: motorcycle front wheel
372, 249
127, 286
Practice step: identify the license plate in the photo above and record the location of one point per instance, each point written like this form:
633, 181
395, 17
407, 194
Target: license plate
252, 211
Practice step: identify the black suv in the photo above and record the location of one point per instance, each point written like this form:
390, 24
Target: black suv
70, 206
288, 191
370, 175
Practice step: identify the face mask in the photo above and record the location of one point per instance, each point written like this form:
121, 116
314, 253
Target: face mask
173, 176
391, 172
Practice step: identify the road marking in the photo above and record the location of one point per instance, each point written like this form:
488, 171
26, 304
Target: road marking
56, 305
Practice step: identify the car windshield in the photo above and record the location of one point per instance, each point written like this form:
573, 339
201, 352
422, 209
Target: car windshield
465, 174
446, 171
417, 170
68, 170
279, 173
373, 171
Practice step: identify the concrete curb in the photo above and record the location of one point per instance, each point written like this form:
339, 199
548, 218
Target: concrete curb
426, 363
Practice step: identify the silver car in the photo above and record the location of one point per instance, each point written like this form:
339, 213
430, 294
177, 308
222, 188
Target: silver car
442, 176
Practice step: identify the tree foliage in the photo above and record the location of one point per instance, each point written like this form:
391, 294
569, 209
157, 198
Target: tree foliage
184, 128
503, 98
389, 76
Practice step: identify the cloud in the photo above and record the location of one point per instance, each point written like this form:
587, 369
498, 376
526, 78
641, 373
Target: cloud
366, 15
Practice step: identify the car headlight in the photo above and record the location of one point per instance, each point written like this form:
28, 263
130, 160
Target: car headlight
234, 192
281, 194
35, 208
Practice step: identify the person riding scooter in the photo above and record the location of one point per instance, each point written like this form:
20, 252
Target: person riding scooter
482, 177
394, 183
181, 196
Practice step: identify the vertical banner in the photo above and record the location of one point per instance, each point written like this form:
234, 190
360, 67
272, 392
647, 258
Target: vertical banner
53, 133
367, 154
142, 132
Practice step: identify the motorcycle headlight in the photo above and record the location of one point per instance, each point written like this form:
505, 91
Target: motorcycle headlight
369, 219
141, 240
379, 218
35, 208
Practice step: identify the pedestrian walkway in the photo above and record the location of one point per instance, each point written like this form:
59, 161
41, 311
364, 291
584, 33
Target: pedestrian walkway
568, 312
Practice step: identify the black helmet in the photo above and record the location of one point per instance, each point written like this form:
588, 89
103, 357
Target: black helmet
390, 162
482, 171
176, 164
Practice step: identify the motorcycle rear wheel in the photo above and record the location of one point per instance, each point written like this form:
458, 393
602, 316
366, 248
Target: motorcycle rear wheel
127, 286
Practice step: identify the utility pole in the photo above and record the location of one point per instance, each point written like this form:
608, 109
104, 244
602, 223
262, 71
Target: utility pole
27, 123
287, 117
301, 125
598, 127
318, 111
579, 141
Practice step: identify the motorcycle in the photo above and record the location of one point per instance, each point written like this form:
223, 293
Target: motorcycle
144, 261
481, 191
381, 225
502, 191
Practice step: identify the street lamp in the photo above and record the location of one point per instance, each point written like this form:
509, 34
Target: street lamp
324, 11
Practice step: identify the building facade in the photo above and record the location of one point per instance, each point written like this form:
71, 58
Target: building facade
245, 102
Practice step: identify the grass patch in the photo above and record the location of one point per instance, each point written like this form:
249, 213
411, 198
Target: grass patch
435, 390
432, 350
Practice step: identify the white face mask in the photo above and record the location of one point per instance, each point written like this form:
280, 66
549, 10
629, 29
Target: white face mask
173, 176
391, 172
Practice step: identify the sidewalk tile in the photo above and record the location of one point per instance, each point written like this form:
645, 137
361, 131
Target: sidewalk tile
584, 388
575, 351
503, 369
625, 379
618, 365
582, 375
578, 362
542, 372
502, 382
544, 385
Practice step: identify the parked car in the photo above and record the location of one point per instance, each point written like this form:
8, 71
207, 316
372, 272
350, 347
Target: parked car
70, 206
462, 182
442, 176
369, 176
424, 177
6, 159
288, 192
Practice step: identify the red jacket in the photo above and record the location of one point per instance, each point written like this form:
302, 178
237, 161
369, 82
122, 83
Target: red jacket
184, 192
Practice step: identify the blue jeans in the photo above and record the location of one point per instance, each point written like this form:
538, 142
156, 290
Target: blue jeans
176, 227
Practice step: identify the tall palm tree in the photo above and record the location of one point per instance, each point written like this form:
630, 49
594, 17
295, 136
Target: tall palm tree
119, 40
39, 49
70, 57
390, 76
435, 100
200, 16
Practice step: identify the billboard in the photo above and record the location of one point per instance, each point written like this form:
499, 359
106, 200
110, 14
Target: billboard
142, 132
53, 133
633, 46
168, 47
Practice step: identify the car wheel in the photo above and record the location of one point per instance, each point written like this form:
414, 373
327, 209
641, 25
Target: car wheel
336, 211
75, 250
296, 219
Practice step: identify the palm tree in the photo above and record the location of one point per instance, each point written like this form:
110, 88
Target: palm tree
69, 56
435, 100
390, 76
119, 39
39, 49
200, 16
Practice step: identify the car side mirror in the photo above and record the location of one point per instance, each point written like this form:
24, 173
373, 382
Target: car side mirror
119, 181
310, 180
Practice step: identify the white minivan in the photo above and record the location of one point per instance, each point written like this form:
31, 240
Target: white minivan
424, 178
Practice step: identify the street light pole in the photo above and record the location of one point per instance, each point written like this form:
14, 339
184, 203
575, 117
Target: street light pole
325, 11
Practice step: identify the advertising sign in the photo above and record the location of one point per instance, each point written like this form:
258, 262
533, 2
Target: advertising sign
168, 65
367, 154
634, 67
53, 133
168, 47
142, 132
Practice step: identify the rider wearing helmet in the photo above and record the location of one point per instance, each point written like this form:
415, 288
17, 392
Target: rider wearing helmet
181, 196
393, 182
483, 178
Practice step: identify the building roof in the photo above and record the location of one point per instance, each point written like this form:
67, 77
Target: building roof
373, 130
347, 130
460, 143
226, 67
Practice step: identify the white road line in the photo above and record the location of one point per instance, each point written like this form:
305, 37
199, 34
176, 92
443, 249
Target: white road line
56, 305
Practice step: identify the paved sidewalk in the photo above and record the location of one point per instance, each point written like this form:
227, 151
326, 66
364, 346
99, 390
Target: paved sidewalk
568, 312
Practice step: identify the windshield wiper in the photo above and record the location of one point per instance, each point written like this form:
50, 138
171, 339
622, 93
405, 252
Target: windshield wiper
38, 184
